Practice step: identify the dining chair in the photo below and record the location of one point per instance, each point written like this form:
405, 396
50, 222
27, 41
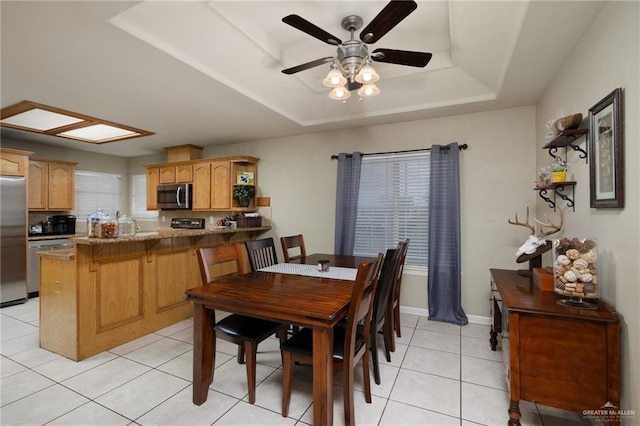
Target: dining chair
246, 332
349, 345
380, 305
393, 311
261, 253
293, 242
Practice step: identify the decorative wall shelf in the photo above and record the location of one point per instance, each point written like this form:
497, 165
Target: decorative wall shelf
559, 189
567, 138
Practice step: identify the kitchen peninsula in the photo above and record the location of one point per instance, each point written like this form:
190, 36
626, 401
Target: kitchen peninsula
105, 292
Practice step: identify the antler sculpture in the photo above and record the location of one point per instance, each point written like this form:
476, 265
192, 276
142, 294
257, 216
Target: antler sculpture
553, 227
533, 242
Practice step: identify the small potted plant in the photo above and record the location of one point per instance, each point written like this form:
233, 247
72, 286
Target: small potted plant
244, 194
559, 170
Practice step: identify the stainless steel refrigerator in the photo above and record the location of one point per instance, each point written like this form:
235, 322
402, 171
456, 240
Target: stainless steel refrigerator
13, 236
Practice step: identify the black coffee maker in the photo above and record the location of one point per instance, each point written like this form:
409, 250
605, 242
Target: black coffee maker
63, 224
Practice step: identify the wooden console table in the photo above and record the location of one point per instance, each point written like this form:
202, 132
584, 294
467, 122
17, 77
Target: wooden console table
554, 355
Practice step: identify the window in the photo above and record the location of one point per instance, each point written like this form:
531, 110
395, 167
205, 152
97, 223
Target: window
393, 205
96, 190
139, 199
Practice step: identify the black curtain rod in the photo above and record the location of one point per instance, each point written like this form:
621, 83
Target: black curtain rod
462, 147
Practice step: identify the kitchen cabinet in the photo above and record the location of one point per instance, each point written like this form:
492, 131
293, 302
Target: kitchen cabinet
153, 180
213, 181
211, 189
180, 173
51, 185
105, 292
239, 167
14, 162
554, 355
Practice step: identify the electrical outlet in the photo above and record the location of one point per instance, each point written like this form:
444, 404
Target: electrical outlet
211, 220
162, 218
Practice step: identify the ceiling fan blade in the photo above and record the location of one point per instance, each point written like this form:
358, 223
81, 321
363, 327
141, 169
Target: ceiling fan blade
402, 57
308, 65
307, 27
392, 14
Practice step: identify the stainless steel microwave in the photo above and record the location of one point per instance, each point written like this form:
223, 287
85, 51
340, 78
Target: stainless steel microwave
175, 196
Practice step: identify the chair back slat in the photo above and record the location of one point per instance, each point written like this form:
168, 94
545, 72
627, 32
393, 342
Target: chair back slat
361, 305
261, 253
385, 284
219, 261
402, 248
293, 242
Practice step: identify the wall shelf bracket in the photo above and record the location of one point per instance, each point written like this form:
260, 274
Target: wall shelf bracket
567, 138
559, 189
543, 194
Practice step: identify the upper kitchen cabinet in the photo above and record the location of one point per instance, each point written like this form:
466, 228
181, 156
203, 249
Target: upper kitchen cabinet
211, 189
14, 162
213, 181
153, 180
51, 185
178, 173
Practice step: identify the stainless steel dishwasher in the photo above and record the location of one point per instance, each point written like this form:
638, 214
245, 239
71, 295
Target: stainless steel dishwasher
33, 275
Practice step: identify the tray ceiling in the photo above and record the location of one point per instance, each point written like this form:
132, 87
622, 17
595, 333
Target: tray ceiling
200, 72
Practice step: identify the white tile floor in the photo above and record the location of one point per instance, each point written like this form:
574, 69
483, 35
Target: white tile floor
440, 374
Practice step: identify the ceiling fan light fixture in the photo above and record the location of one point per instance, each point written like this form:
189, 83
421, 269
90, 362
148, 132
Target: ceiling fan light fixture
367, 74
368, 90
334, 78
353, 61
339, 93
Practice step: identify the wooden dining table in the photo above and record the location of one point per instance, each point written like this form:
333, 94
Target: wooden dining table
335, 260
319, 303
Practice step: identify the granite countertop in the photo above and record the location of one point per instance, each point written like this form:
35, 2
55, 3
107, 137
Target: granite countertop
163, 233
64, 254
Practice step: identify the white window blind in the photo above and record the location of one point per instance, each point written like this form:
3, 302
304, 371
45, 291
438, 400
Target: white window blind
96, 190
393, 205
139, 198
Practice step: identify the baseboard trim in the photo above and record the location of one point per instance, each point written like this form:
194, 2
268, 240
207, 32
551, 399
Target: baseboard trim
473, 319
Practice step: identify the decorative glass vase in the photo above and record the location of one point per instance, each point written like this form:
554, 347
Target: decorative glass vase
574, 271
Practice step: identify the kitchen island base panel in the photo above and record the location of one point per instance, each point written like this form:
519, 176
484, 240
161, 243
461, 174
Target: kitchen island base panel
110, 295
99, 296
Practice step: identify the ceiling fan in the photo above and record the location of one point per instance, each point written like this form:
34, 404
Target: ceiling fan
351, 67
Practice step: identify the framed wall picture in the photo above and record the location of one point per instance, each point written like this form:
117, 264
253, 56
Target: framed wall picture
606, 152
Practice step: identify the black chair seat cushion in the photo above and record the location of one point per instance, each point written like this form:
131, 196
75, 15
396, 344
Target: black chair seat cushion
246, 328
302, 342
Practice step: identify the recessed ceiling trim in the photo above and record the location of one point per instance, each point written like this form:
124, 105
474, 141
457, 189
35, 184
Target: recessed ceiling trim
47, 120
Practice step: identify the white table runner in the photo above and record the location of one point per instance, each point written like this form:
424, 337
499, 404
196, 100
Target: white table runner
334, 272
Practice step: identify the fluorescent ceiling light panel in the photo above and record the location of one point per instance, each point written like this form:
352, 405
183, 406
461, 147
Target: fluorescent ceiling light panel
41, 119
98, 133
32, 117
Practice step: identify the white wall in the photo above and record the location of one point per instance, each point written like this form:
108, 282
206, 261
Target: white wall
496, 181
606, 58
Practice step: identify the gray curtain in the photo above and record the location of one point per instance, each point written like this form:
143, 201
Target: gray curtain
348, 186
444, 286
